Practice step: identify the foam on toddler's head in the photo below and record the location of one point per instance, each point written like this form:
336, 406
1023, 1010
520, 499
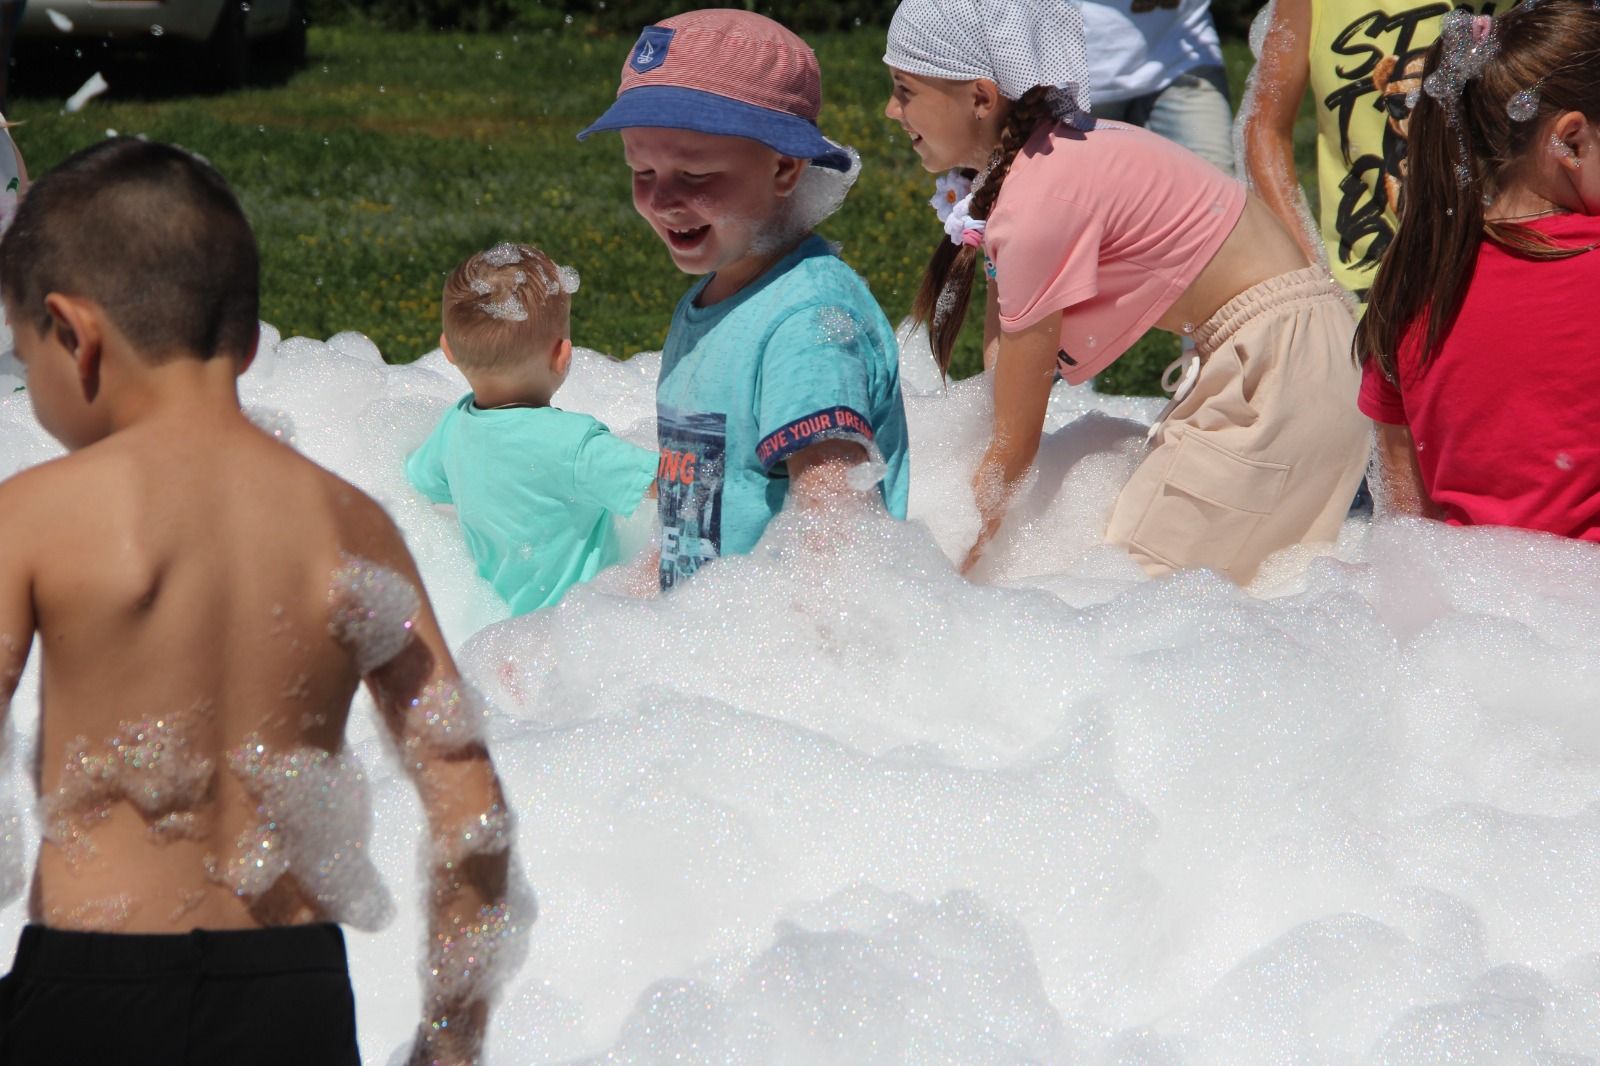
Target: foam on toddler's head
505, 304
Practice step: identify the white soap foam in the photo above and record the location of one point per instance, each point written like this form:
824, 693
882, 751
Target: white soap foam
831, 803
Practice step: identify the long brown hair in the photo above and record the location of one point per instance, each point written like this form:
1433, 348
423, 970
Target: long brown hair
947, 283
1551, 47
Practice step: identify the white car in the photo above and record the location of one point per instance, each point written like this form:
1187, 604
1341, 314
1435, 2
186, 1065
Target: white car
219, 34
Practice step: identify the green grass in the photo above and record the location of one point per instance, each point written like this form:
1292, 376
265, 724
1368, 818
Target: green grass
390, 156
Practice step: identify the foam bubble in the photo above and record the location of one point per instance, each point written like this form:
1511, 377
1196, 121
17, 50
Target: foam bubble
507, 309
372, 611
503, 254
13, 839
147, 763
832, 803
314, 824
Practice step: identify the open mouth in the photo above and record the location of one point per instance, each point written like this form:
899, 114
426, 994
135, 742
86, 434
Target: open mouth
685, 239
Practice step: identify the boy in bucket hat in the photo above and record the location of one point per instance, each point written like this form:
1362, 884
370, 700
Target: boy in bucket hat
780, 372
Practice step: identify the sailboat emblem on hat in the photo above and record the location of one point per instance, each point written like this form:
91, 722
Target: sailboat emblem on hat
651, 51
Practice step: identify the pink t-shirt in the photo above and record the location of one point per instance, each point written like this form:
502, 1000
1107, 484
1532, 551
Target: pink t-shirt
1109, 226
1506, 416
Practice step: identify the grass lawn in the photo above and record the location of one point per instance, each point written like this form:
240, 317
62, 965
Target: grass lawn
369, 173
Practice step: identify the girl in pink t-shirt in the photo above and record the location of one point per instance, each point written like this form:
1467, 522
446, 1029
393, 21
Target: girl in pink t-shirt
1091, 233
1478, 349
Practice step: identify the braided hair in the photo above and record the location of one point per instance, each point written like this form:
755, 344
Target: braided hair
947, 282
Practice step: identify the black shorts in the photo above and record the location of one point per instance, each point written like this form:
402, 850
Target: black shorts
256, 997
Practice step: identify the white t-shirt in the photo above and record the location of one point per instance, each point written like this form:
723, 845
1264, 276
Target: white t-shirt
10, 189
1137, 47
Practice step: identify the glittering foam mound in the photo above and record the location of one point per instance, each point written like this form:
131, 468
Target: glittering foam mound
830, 803
372, 609
314, 824
152, 764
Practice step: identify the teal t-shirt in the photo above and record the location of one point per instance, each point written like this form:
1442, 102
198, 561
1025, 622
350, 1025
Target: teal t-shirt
534, 489
800, 355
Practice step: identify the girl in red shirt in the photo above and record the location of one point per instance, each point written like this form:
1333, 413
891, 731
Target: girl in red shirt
1479, 356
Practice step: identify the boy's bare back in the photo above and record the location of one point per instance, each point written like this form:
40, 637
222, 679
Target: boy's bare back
181, 578
206, 602
180, 575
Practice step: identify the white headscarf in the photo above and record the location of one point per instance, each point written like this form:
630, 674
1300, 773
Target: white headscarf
1016, 44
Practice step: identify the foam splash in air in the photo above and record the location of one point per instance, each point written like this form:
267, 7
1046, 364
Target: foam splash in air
90, 89
832, 803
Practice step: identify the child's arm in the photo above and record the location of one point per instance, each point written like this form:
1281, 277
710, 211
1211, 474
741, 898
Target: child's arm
1023, 376
425, 468
619, 476
474, 922
813, 401
1400, 475
1272, 105
613, 473
17, 619
820, 474
991, 327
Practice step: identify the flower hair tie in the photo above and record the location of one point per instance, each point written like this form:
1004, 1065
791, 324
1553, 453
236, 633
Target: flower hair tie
952, 201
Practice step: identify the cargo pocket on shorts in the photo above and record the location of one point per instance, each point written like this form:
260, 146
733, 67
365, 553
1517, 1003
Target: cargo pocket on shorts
1208, 505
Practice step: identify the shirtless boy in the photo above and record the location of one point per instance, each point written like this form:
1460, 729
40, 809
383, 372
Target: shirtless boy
206, 603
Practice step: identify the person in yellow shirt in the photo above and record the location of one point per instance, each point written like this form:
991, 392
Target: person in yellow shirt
1362, 60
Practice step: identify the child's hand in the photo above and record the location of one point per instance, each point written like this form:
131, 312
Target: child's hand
992, 494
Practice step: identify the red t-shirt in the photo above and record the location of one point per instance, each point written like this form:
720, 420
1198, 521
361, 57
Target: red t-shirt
1506, 416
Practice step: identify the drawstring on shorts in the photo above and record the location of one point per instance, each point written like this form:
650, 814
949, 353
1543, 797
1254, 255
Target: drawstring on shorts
1180, 390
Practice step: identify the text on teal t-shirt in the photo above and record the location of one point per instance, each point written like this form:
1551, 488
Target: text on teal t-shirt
534, 490
801, 355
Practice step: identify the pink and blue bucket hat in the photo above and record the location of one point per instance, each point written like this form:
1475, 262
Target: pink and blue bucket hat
726, 72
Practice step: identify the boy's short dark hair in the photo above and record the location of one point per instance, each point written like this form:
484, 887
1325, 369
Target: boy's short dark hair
504, 306
149, 232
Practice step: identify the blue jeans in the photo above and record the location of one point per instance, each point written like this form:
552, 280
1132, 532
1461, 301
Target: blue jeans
1193, 111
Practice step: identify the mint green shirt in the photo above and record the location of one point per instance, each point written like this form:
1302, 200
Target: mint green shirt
535, 489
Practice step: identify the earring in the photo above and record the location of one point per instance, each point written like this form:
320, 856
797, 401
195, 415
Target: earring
1563, 151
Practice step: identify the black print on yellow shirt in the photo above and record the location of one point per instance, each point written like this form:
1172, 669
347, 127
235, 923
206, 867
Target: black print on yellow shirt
1385, 53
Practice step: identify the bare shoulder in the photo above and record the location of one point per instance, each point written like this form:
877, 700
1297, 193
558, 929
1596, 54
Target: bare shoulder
365, 528
308, 493
55, 494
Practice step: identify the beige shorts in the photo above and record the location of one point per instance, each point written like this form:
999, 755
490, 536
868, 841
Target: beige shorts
1266, 449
